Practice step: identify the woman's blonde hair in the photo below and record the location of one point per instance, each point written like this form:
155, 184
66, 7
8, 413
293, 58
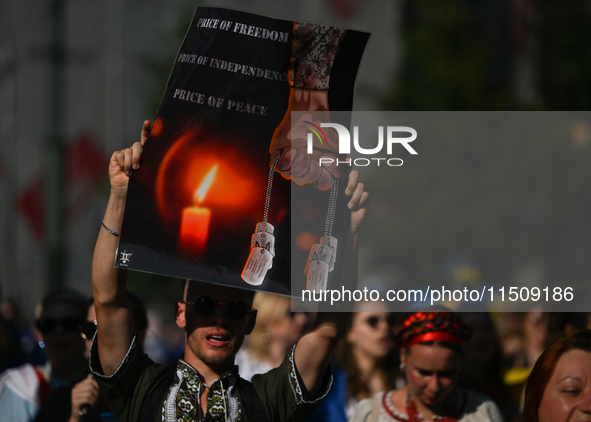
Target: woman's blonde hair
270, 308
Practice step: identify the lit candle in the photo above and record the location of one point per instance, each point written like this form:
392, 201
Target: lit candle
195, 221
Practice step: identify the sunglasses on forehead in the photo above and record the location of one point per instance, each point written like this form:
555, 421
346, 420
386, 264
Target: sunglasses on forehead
205, 306
48, 325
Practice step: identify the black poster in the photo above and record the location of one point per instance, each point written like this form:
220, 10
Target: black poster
221, 134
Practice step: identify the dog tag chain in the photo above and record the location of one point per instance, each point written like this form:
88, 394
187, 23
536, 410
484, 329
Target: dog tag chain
262, 244
323, 255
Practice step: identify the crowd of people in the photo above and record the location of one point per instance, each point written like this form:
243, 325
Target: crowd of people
430, 365
84, 359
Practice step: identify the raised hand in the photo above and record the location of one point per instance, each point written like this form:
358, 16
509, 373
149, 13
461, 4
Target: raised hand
126, 161
115, 330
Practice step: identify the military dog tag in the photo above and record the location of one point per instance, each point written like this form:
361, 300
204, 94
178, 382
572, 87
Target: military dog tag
331, 242
319, 252
257, 238
269, 229
257, 266
317, 275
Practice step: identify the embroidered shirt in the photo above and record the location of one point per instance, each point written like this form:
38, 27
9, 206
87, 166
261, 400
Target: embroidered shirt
183, 400
279, 390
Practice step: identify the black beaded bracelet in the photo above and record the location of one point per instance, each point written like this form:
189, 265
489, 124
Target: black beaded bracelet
110, 230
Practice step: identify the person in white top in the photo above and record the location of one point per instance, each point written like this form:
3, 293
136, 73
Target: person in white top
430, 351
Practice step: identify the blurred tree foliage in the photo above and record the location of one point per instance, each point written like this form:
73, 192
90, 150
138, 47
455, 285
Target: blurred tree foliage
564, 64
457, 55
465, 54
502, 205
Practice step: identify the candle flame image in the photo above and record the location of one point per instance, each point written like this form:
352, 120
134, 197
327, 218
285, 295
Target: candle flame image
201, 191
195, 221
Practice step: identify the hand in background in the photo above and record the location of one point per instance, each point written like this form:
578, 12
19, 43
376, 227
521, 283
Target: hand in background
359, 202
291, 141
85, 392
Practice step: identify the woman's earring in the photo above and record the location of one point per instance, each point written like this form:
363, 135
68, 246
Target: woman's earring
401, 367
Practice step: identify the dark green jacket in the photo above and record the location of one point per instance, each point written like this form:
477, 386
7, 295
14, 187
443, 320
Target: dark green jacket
137, 376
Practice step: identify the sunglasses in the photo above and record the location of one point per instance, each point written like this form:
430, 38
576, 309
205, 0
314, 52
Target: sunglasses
88, 330
205, 306
374, 321
48, 325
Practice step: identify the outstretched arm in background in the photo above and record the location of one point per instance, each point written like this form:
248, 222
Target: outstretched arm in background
114, 318
314, 350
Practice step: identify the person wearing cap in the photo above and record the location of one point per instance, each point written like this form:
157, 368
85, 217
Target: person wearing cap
23, 390
205, 385
83, 402
430, 354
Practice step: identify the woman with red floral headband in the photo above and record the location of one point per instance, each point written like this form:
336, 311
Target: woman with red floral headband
430, 353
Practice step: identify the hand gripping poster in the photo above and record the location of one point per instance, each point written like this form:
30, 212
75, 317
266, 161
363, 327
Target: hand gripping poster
228, 191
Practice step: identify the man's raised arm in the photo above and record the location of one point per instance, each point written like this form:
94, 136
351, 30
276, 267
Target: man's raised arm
114, 318
314, 350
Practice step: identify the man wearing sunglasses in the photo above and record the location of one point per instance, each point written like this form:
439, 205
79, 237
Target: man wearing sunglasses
204, 385
83, 402
23, 390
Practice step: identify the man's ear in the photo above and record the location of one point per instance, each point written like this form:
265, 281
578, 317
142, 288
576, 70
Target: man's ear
179, 310
252, 320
